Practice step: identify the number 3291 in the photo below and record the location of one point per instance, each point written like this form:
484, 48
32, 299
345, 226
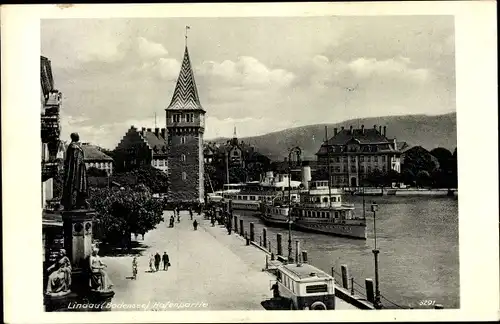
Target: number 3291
426, 302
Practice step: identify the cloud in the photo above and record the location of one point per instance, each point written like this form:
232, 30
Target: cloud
399, 67
245, 72
147, 49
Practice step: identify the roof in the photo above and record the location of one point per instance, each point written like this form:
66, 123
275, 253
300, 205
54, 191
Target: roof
155, 141
403, 146
364, 136
185, 95
92, 153
305, 270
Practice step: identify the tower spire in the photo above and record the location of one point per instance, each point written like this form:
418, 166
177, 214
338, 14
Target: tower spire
186, 36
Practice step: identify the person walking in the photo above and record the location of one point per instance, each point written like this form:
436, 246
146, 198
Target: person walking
157, 261
134, 268
151, 260
166, 261
195, 224
191, 212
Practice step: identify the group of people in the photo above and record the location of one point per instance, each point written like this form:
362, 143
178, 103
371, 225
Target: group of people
156, 260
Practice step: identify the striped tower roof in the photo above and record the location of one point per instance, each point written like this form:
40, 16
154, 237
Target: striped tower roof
185, 95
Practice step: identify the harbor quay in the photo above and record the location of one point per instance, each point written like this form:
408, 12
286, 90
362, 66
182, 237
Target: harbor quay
210, 270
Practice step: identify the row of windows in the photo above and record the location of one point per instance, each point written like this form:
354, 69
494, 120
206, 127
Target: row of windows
159, 163
369, 158
100, 165
318, 214
180, 117
286, 281
353, 168
318, 199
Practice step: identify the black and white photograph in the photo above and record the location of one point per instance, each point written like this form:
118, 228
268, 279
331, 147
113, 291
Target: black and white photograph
194, 163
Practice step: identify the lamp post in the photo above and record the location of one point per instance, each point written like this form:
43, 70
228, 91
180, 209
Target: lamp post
297, 151
375, 251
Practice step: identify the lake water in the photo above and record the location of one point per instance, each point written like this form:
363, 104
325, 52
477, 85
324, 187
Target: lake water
418, 242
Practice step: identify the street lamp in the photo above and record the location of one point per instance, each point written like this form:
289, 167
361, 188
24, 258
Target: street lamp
377, 304
298, 152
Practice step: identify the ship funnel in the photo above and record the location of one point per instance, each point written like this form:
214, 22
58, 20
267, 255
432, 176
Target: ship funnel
306, 175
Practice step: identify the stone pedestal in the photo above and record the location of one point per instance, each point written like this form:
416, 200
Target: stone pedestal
77, 226
101, 298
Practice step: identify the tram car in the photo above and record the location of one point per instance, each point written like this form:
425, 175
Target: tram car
301, 287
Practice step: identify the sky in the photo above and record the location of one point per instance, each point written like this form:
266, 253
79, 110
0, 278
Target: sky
256, 74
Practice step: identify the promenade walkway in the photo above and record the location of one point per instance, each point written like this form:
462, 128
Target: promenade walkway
204, 271
210, 270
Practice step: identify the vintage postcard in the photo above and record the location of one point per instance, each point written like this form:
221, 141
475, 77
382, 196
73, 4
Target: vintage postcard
251, 162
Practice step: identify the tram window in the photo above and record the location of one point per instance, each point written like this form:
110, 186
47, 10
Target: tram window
316, 289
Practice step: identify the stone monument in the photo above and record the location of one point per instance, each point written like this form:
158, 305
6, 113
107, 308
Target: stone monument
77, 226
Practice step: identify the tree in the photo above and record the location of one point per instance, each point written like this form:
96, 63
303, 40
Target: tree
408, 177
423, 178
121, 212
157, 181
417, 158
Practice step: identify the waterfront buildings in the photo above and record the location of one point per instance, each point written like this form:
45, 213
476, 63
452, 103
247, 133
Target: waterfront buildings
185, 123
142, 147
238, 153
357, 153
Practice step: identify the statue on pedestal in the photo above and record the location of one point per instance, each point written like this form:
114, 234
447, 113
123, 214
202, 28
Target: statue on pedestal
59, 282
75, 187
99, 279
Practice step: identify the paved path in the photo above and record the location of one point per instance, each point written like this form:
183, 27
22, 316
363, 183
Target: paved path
210, 269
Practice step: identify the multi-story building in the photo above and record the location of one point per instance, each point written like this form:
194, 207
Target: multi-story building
356, 153
237, 153
142, 147
185, 121
95, 158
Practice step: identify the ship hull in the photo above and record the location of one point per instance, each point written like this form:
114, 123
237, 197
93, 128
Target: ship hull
351, 231
274, 222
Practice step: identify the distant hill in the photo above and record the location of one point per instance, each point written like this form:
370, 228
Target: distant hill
417, 130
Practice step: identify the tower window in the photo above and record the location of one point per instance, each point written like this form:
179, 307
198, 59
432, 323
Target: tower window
176, 118
183, 140
184, 176
183, 158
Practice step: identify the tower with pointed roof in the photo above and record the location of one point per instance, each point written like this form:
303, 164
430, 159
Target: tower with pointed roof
185, 121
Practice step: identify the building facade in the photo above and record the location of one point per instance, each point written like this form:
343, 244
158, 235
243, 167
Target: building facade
185, 121
94, 158
237, 153
141, 147
357, 153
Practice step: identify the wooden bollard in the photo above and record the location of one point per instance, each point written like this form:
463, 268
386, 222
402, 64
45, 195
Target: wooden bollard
297, 251
260, 240
247, 239
236, 224
242, 229
264, 236
269, 246
352, 286
369, 290
252, 232
304, 256
278, 242
345, 276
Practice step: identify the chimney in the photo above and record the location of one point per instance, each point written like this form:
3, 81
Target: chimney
362, 129
306, 175
334, 131
157, 131
380, 129
385, 129
163, 134
350, 130
395, 143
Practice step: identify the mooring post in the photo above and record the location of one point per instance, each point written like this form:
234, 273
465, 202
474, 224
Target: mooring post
269, 247
369, 290
252, 232
264, 236
304, 256
247, 238
236, 224
352, 286
267, 261
297, 251
345, 276
242, 229
278, 242
260, 240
